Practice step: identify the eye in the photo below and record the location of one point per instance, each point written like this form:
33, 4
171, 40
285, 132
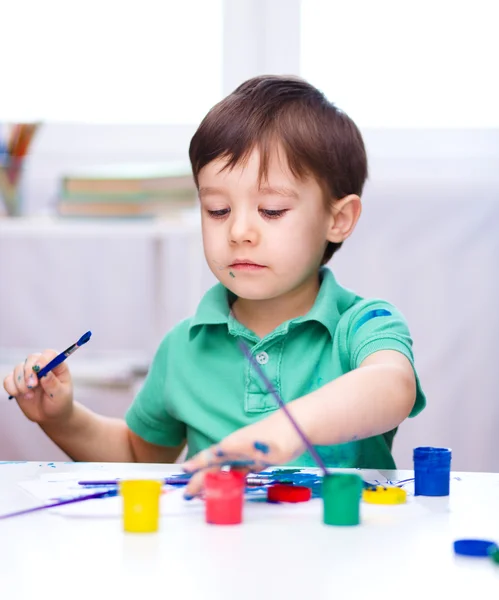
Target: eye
273, 214
218, 214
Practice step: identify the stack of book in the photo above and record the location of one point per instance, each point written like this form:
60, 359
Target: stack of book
129, 190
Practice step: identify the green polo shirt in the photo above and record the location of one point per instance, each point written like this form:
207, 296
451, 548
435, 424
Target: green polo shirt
201, 388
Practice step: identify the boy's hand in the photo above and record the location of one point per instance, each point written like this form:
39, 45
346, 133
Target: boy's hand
42, 400
271, 441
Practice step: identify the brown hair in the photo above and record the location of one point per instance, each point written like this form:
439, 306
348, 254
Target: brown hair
318, 139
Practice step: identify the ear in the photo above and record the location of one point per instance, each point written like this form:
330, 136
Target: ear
344, 216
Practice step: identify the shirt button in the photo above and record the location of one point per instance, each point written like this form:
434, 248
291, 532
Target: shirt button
262, 358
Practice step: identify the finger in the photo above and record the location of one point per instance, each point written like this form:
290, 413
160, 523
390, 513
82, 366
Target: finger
195, 485
61, 371
9, 385
204, 459
19, 380
30, 378
40, 361
210, 459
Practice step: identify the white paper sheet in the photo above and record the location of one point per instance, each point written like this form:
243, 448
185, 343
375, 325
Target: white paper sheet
53, 486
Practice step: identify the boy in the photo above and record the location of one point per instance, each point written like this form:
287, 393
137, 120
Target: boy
280, 172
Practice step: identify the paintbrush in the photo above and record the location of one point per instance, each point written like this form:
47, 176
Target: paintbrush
62, 356
181, 479
26, 511
280, 402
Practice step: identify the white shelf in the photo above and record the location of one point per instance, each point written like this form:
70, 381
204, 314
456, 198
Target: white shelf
55, 227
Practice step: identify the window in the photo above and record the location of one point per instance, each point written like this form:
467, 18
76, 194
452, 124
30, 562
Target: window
388, 63
110, 61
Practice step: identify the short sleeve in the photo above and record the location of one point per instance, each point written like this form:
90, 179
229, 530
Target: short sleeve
376, 325
148, 416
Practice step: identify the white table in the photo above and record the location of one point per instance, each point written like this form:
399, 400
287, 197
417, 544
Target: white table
278, 552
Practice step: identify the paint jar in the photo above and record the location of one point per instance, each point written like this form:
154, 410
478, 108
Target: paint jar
431, 471
341, 493
224, 493
493, 552
140, 505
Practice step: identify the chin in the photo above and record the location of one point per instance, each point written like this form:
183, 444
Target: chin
250, 291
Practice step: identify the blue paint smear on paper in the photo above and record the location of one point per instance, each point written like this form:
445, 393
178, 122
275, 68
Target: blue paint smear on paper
13, 462
290, 476
304, 478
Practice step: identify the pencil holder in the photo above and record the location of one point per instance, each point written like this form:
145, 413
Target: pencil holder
431, 471
140, 505
11, 178
341, 493
224, 494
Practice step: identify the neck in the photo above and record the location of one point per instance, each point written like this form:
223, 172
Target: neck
263, 316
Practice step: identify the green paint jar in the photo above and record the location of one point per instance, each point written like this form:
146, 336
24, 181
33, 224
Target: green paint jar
493, 552
341, 494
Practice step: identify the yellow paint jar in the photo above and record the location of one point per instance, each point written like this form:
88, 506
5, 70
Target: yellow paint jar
140, 505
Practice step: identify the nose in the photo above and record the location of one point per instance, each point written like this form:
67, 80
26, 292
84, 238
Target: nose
242, 229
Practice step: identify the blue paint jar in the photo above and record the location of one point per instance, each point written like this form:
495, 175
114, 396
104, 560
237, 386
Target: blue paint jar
431, 471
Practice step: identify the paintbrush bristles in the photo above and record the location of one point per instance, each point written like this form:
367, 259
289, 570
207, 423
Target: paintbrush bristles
315, 455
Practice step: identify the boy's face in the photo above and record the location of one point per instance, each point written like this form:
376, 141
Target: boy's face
262, 242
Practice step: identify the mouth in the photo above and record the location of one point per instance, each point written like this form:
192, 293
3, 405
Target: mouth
245, 265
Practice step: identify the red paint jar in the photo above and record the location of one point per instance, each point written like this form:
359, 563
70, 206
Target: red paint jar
224, 494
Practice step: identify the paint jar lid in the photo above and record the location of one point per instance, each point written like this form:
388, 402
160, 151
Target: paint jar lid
473, 547
384, 495
432, 455
288, 493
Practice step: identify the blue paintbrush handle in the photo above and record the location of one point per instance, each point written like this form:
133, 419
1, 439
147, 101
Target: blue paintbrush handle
51, 365
63, 355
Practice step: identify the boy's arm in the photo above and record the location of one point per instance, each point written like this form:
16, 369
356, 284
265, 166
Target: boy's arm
370, 400
87, 436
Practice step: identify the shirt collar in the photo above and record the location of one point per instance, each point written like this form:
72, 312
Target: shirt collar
214, 307
332, 300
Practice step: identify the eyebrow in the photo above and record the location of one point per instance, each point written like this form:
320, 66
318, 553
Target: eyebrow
278, 191
209, 191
